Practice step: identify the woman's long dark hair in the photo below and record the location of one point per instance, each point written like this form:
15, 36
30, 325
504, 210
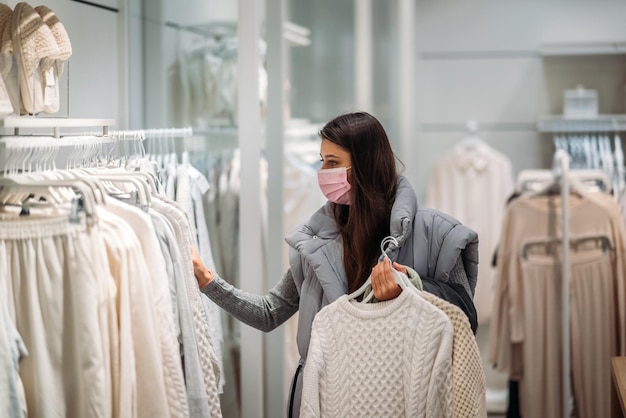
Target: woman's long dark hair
365, 222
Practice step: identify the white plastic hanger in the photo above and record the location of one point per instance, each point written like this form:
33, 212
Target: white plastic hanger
141, 186
21, 184
533, 180
472, 140
555, 184
401, 279
27, 157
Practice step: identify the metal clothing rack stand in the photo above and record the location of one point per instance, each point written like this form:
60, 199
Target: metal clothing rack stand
563, 160
567, 180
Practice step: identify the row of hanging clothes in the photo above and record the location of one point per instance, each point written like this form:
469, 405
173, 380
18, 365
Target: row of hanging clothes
100, 310
474, 182
210, 160
203, 82
526, 340
596, 151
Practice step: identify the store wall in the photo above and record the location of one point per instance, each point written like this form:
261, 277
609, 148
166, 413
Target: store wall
480, 60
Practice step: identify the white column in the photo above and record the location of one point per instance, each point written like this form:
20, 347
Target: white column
250, 261
154, 95
123, 29
275, 58
406, 77
363, 68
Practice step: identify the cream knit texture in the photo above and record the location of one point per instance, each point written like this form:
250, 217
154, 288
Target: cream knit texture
6, 45
32, 41
62, 39
386, 359
58, 31
32, 38
468, 376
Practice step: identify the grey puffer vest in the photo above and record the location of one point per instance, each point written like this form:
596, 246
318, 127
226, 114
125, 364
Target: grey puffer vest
429, 241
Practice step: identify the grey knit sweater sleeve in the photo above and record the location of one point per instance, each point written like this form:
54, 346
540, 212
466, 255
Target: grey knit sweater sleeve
261, 312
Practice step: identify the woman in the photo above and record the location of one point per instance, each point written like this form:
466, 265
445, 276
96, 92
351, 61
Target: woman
339, 247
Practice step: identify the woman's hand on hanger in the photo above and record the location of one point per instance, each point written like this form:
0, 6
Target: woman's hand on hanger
383, 283
203, 274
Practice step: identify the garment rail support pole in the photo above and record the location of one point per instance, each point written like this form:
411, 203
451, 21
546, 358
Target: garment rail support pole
565, 285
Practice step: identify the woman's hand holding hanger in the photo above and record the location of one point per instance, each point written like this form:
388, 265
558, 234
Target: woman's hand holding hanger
383, 283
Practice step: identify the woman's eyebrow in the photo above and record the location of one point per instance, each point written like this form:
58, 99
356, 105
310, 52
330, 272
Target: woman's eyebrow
329, 156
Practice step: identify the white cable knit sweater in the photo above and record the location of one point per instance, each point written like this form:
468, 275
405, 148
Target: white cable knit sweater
386, 359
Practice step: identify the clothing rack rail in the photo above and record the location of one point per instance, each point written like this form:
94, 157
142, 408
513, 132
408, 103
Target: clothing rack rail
158, 133
65, 146
170, 132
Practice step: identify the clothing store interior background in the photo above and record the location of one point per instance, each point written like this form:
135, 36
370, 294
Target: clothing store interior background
256, 80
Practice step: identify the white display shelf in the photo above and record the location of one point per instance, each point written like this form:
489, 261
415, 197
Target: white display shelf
28, 122
600, 123
587, 48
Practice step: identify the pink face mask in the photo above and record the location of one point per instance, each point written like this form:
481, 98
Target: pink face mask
334, 184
